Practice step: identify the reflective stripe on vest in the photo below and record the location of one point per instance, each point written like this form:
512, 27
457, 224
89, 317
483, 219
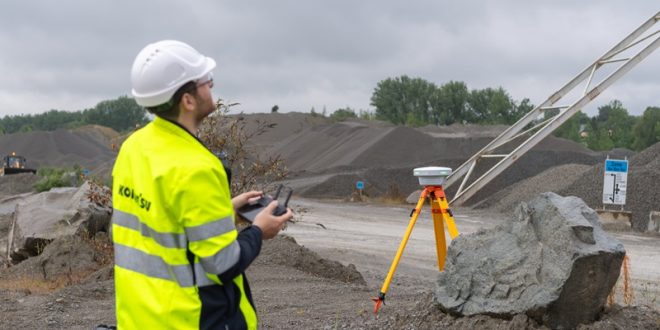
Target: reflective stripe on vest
174, 240
170, 240
154, 266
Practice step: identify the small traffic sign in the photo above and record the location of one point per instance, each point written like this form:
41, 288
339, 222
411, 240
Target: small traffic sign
359, 185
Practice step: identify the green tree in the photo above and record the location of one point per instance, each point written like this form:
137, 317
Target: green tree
343, 114
451, 104
521, 109
366, 115
13, 124
274, 108
646, 131
47, 121
55, 119
493, 106
600, 140
403, 100
614, 122
121, 114
571, 128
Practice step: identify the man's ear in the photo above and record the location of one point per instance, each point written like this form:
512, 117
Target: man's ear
188, 102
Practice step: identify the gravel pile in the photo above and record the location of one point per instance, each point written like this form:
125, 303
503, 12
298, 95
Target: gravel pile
553, 179
87, 146
383, 155
551, 152
356, 145
426, 314
284, 250
586, 182
15, 184
285, 125
643, 191
467, 130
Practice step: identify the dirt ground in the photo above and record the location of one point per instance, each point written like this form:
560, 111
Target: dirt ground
327, 280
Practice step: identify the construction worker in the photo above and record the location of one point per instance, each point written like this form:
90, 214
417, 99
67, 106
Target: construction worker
179, 260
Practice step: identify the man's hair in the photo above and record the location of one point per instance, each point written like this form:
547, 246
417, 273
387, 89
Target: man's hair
170, 109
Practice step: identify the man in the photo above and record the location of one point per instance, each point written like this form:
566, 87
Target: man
179, 260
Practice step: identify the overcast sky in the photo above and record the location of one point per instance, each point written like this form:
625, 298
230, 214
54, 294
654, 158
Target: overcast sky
70, 55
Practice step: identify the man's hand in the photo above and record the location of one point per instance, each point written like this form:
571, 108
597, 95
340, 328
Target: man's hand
270, 224
245, 198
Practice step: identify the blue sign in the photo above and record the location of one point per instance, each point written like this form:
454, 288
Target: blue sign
615, 181
612, 165
359, 185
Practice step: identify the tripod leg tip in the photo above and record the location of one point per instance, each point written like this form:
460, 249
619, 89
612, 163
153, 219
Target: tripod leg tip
378, 301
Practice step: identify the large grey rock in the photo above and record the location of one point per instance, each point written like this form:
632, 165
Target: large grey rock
8, 203
413, 198
552, 262
654, 222
38, 219
7, 208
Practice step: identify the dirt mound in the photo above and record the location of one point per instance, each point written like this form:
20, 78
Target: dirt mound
103, 171
285, 125
87, 147
378, 182
75, 307
283, 250
553, 179
642, 191
63, 262
352, 145
99, 133
459, 130
17, 184
426, 315
335, 155
385, 171
324, 147
404, 146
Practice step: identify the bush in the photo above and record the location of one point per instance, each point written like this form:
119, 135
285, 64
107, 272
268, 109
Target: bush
229, 138
343, 114
58, 177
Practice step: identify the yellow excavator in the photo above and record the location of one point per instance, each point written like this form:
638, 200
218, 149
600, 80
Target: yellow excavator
14, 164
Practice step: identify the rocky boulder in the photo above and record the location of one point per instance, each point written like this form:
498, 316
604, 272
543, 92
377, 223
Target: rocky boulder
552, 262
7, 208
39, 219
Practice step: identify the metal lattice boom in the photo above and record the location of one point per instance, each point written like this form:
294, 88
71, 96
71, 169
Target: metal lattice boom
539, 131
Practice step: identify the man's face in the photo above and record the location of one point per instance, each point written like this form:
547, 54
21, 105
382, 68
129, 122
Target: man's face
204, 97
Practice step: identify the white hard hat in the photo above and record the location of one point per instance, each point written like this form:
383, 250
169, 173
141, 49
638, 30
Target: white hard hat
163, 67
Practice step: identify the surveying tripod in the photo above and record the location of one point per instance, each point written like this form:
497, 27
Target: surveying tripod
441, 215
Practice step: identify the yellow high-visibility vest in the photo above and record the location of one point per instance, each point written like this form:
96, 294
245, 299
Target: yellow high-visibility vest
173, 230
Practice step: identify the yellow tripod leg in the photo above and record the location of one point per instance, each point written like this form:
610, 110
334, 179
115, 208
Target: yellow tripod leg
439, 228
448, 217
413, 218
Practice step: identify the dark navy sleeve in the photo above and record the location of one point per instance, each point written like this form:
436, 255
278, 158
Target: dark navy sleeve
250, 241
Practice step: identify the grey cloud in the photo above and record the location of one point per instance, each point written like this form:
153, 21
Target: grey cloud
301, 54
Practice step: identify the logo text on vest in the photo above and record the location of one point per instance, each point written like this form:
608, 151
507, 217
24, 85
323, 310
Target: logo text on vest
137, 198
